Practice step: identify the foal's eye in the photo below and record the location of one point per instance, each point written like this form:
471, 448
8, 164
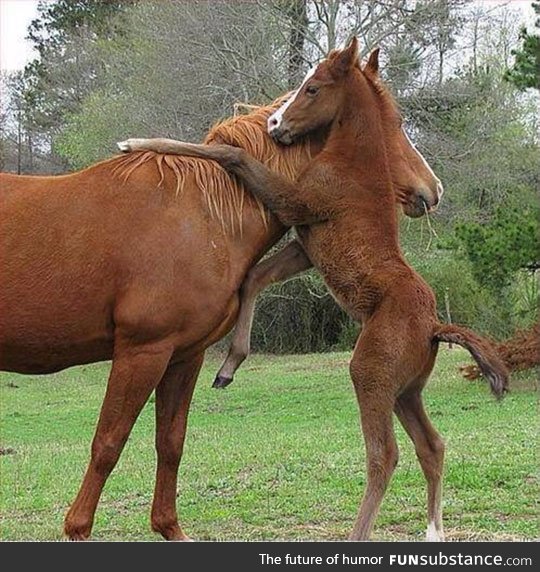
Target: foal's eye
312, 90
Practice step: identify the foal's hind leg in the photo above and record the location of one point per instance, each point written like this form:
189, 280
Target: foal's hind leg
173, 397
287, 262
430, 452
134, 374
373, 383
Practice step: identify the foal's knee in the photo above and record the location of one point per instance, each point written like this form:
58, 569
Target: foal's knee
256, 279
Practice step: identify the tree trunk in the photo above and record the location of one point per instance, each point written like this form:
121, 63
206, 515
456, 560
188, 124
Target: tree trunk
19, 142
298, 21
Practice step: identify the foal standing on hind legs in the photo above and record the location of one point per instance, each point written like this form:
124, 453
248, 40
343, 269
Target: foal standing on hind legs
343, 209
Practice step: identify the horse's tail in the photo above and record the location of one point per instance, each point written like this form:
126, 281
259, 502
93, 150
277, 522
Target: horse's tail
490, 364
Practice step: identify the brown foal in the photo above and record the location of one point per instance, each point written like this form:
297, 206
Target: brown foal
140, 258
341, 206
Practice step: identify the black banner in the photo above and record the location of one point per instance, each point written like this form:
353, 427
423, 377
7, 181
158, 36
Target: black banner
268, 556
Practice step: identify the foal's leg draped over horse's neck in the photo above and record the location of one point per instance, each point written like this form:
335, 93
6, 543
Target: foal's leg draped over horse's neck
288, 262
292, 203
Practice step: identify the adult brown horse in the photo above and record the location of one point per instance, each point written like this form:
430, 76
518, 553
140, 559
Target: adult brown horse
140, 259
341, 206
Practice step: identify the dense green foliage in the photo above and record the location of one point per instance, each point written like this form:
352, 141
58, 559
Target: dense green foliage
508, 243
525, 72
65, 72
278, 455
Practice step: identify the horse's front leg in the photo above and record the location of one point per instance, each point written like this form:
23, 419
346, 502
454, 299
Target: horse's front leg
288, 262
173, 398
136, 371
293, 204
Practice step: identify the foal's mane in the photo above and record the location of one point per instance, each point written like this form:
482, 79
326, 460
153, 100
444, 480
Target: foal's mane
225, 197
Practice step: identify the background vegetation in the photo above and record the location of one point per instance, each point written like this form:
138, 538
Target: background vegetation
465, 73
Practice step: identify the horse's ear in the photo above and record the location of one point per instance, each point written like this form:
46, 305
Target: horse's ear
373, 61
346, 59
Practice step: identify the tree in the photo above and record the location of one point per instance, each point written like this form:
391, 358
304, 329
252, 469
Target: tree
525, 72
508, 243
66, 69
155, 84
297, 10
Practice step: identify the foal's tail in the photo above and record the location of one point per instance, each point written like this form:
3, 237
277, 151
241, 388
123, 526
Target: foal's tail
490, 364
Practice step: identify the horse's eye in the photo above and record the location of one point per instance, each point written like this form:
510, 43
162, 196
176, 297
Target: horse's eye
312, 90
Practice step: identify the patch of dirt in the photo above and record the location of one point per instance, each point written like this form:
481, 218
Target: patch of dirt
7, 451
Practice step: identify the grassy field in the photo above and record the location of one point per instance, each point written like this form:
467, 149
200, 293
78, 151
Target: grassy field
278, 455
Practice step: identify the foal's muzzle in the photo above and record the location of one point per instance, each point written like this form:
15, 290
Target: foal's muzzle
280, 133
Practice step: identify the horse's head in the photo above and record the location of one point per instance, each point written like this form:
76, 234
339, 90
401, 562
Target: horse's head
317, 103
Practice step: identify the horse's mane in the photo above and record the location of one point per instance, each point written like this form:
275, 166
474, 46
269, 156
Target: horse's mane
225, 197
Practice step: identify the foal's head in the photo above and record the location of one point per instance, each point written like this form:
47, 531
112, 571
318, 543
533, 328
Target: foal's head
317, 103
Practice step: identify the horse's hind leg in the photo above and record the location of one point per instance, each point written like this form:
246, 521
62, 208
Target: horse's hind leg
373, 383
430, 452
287, 262
173, 397
135, 373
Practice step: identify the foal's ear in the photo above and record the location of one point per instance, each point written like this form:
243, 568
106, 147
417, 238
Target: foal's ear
373, 61
346, 58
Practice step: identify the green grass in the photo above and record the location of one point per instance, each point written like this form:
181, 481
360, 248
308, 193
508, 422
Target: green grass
278, 455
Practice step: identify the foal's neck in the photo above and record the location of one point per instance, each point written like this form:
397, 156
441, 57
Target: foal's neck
356, 142
357, 132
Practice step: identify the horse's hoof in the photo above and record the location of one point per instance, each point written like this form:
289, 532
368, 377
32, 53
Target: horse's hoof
75, 536
222, 382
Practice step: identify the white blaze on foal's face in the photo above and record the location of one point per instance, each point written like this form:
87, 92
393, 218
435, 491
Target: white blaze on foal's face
439, 186
275, 121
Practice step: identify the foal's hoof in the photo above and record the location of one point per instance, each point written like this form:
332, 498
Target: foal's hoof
124, 146
222, 382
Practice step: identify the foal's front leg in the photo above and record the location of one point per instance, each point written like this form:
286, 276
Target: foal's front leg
292, 203
286, 263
